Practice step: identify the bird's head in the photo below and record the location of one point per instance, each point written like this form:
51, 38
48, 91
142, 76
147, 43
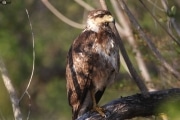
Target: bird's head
99, 19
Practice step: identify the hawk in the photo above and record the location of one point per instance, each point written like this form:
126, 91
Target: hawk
92, 63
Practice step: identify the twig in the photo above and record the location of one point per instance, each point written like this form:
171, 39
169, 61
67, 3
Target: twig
160, 23
148, 40
61, 16
137, 105
84, 4
29, 112
164, 4
12, 92
175, 25
152, 2
33, 64
103, 4
33, 67
171, 19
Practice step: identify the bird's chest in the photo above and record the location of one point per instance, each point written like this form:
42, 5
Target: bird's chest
107, 52
106, 66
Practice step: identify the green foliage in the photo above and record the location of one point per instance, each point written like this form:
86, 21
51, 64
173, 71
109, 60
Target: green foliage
172, 109
53, 101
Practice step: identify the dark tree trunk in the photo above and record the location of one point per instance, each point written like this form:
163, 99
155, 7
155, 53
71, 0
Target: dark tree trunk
138, 105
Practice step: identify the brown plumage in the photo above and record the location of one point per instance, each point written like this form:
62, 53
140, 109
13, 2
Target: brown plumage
92, 63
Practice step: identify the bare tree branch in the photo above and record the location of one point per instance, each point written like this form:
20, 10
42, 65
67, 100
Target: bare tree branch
103, 4
10, 88
61, 16
148, 40
84, 4
137, 105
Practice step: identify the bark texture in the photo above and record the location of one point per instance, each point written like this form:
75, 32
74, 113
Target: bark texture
137, 105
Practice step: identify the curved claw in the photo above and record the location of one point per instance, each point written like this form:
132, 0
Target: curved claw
99, 110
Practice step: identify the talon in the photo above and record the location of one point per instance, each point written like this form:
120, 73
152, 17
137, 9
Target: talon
99, 110
96, 107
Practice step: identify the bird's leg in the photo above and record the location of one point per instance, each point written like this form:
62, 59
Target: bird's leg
95, 106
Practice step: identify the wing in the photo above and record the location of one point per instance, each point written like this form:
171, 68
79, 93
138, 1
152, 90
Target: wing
78, 70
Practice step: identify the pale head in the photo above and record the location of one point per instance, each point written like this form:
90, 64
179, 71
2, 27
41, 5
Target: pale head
98, 18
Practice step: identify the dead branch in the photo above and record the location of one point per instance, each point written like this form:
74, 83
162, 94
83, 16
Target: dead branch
137, 106
12, 92
103, 4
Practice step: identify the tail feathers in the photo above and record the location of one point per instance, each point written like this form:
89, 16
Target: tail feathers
75, 115
78, 113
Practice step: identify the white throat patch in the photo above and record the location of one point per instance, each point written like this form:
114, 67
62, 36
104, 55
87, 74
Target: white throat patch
92, 26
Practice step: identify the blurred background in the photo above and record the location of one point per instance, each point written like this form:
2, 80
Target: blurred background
53, 38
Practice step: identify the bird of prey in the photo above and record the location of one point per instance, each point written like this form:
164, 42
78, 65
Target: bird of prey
92, 63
